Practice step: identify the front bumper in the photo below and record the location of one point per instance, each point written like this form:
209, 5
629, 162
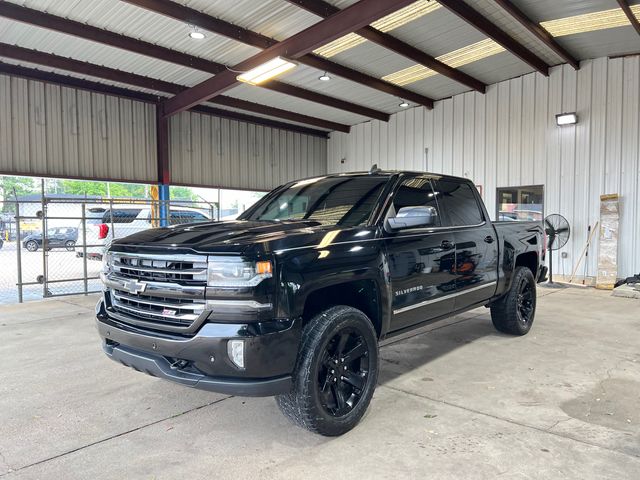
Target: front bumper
201, 360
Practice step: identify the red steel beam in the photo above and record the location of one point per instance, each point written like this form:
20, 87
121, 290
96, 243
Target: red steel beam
324, 9
91, 86
473, 18
624, 5
234, 32
162, 147
88, 32
351, 18
544, 36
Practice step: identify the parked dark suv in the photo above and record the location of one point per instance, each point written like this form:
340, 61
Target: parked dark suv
59, 237
292, 298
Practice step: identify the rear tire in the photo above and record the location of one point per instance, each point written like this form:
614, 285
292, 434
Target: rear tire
70, 245
336, 372
514, 313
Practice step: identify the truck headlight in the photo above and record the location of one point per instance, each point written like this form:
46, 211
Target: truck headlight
107, 262
235, 272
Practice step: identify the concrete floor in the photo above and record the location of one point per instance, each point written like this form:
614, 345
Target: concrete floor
456, 401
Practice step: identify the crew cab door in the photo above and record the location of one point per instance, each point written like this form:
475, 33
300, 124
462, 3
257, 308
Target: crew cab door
420, 258
476, 265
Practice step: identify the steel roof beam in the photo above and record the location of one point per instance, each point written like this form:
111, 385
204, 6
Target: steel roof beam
324, 9
346, 21
624, 5
88, 32
542, 35
107, 73
91, 86
473, 18
234, 32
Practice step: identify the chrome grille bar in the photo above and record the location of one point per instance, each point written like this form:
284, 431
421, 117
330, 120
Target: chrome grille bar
166, 292
188, 305
181, 268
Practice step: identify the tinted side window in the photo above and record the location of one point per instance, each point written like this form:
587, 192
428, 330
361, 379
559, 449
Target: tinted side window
416, 192
121, 215
186, 216
458, 202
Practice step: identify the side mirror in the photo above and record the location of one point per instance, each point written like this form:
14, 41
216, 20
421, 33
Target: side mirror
413, 217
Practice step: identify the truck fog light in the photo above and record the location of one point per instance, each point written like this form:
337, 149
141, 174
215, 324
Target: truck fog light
235, 349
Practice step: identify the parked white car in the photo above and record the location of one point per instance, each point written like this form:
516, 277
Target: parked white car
105, 224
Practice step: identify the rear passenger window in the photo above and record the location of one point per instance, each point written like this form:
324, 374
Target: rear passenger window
121, 215
458, 203
186, 216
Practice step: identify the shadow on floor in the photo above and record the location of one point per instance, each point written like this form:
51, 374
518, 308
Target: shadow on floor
407, 354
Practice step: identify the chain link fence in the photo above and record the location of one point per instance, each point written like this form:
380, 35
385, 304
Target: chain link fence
51, 245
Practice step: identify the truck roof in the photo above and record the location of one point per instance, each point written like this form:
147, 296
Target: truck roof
389, 173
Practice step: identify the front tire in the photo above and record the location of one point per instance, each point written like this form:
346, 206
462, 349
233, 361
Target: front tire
336, 372
70, 245
32, 246
514, 313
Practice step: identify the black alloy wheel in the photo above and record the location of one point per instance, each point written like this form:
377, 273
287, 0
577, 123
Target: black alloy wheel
343, 372
336, 372
524, 301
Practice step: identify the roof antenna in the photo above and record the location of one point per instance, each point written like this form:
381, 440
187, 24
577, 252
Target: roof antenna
374, 169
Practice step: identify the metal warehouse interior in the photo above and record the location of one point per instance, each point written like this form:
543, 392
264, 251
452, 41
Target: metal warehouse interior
149, 92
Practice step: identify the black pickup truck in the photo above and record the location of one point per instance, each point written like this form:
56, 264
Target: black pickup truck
293, 297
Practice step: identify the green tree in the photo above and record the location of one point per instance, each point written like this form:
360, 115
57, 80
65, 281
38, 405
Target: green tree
18, 185
100, 189
183, 193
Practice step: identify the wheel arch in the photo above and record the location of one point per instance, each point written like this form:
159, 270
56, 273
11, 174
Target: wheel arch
529, 260
363, 294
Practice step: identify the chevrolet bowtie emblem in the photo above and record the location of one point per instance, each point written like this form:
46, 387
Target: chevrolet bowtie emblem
133, 286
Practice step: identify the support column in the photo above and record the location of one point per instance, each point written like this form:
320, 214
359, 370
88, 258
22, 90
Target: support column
164, 173
163, 197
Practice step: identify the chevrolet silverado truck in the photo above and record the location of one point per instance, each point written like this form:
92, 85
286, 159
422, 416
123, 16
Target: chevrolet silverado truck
292, 298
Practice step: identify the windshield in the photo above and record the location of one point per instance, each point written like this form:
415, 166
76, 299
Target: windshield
344, 201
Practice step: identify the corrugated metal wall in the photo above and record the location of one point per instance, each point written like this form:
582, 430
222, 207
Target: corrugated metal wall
48, 130
508, 137
214, 151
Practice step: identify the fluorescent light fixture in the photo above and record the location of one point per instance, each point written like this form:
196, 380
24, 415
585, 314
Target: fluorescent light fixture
385, 24
324, 77
266, 71
566, 119
457, 58
196, 35
589, 22
403, 104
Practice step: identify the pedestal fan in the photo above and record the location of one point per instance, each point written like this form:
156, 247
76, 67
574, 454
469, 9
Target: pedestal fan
557, 229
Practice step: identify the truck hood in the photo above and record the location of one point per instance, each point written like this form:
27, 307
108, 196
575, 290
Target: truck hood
235, 237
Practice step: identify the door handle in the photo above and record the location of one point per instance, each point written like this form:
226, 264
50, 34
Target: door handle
488, 239
446, 244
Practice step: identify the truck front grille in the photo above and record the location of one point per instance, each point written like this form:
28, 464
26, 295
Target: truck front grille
190, 269
164, 292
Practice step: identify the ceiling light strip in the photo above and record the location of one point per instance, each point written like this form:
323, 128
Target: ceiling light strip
385, 24
457, 58
589, 22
